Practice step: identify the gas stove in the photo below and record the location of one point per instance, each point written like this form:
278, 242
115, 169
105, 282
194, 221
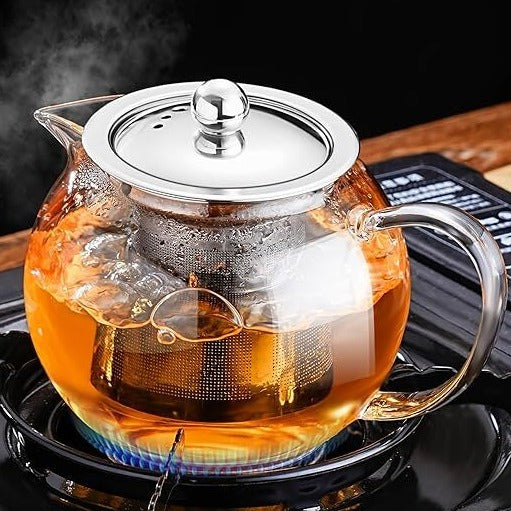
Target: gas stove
458, 458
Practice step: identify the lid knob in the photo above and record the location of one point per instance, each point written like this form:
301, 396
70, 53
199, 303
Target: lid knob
219, 106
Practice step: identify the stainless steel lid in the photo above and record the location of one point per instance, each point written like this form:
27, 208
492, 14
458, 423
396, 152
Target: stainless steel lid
218, 141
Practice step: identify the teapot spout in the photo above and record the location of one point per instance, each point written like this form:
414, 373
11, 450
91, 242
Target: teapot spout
66, 131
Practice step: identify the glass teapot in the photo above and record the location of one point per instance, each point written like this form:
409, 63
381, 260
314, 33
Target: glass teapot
218, 259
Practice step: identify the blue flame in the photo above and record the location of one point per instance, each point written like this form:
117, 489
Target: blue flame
149, 461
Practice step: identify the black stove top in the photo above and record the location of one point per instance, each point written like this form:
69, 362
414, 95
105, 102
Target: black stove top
458, 458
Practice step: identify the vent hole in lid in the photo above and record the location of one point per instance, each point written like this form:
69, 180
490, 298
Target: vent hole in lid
157, 126
181, 108
168, 116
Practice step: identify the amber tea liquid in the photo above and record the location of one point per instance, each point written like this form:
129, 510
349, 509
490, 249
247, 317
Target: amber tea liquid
257, 396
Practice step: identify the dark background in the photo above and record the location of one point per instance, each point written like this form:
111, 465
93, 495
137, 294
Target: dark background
380, 65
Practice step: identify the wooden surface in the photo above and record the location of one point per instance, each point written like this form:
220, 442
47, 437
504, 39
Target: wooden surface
480, 139
12, 249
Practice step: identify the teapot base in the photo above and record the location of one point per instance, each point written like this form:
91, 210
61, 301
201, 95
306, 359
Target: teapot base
145, 460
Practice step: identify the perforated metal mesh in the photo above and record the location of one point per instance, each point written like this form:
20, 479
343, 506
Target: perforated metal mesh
224, 258
132, 366
249, 372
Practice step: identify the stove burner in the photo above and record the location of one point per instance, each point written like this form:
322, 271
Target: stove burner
458, 458
43, 440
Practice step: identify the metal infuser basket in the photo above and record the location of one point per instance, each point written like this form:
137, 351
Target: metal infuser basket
251, 373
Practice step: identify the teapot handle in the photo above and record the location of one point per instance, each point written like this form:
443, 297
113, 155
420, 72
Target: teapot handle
484, 252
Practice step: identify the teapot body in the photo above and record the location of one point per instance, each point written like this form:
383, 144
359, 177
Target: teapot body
262, 329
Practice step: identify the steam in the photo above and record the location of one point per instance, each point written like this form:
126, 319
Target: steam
64, 51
